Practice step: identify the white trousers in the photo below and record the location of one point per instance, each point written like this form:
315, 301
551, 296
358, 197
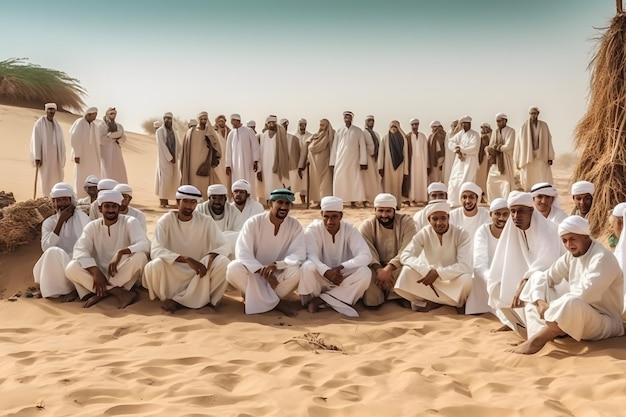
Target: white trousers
49, 273
356, 281
452, 293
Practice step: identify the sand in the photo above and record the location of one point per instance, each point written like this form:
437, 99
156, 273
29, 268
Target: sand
62, 360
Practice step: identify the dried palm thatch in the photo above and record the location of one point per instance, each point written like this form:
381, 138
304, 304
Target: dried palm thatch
21, 223
601, 133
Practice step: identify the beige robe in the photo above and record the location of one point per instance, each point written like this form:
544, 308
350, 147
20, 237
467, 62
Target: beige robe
533, 164
392, 178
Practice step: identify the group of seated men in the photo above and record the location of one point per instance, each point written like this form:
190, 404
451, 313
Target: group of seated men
524, 260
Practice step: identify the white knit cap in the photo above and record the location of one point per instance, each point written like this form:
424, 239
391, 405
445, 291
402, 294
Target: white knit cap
518, 198
574, 224
110, 196
217, 189
497, 204
583, 187
331, 203
385, 200
241, 185
188, 192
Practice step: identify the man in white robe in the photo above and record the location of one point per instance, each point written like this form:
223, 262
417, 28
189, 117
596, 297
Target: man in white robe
372, 185
243, 202
189, 257
534, 152
418, 163
110, 255
293, 147
348, 157
546, 199
465, 145
616, 222
243, 154
336, 271
303, 136
436, 152
485, 242
111, 135
469, 216
582, 194
104, 184
59, 233
501, 175
483, 160
455, 127
436, 191
386, 235
228, 219
167, 176
529, 243
85, 149
126, 209
274, 163
91, 188
592, 307
437, 264
47, 149
268, 255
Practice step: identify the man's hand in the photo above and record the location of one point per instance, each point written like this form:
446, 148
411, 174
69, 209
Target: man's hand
300, 172
38, 162
430, 278
549, 161
267, 272
255, 166
381, 172
384, 277
334, 275
259, 176
197, 266
363, 167
66, 213
542, 306
228, 171
77, 160
100, 282
517, 303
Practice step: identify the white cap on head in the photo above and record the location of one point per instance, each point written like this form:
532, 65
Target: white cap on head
370, 117
437, 187
331, 203
202, 113
109, 196
348, 112
91, 110
535, 108
283, 121
574, 224
106, 184
50, 106
61, 189
241, 185
192, 123
168, 114
486, 125
618, 210
385, 200
497, 204
251, 123
544, 188
157, 124
501, 116
435, 123
271, 118
235, 116
465, 119
303, 120
124, 189
435, 206
414, 120
518, 198
91, 181
583, 187
472, 187
216, 189
188, 192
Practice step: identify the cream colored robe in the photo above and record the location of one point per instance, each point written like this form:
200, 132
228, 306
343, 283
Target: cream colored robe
86, 146
533, 164
167, 177
392, 179
113, 166
500, 185
348, 152
48, 146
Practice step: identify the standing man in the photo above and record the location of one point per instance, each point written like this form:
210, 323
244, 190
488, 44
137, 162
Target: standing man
168, 154
436, 152
582, 194
348, 157
47, 149
371, 178
546, 199
222, 131
242, 154
85, 148
268, 255
318, 162
274, 168
293, 145
534, 153
189, 257
111, 135
483, 168
243, 202
418, 163
393, 161
455, 127
303, 136
465, 145
501, 175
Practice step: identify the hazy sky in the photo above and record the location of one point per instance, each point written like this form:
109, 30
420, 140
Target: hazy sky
434, 59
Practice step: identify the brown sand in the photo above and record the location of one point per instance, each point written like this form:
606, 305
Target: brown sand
138, 361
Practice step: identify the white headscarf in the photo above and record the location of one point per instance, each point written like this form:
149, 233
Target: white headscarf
574, 224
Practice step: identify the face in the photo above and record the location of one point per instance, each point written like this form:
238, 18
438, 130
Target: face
576, 244
434, 129
186, 206
484, 129
286, 125
112, 115
439, 221
369, 123
347, 118
543, 203
323, 125
202, 121
454, 124
110, 211
385, 215
583, 203
221, 122
167, 121
281, 207
469, 200
534, 115
91, 117
271, 126
332, 220
240, 196
236, 123
217, 203
302, 127
393, 129
466, 126
50, 112
92, 191
126, 200
521, 216
61, 203
501, 123
438, 195
415, 127
499, 217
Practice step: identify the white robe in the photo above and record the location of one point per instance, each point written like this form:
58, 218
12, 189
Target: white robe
348, 249
86, 146
167, 279
242, 150
533, 164
419, 168
471, 224
500, 185
592, 308
230, 223
463, 171
113, 166
48, 146
167, 177
372, 182
303, 137
556, 215
49, 271
449, 158
347, 153
452, 260
420, 220
484, 248
271, 181
258, 246
250, 209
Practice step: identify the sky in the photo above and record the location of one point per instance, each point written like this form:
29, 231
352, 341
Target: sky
430, 59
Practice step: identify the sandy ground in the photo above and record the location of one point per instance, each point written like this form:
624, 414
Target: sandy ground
62, 360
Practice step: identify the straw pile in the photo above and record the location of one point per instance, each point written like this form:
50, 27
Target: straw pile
21, 223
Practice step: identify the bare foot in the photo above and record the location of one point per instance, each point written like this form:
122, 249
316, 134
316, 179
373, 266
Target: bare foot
68, 298
314, 305
284, 308
95, 300
528, 347
170, 306
503, 328
124, 297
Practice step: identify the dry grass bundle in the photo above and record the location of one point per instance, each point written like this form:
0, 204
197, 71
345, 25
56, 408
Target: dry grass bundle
21, 223
601, 133
315, 342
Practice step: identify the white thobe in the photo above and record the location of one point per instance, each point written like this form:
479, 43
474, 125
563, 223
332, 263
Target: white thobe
484, 248
419, 168
49, 271
98, 245
348, 249
197, 238
242, 150
303, 137
500, 185
420, 220
250, 209
86, 146
448, 159
372, 182
533, 163
295, 183
463, 171
592, 308
230, 222
347, 153
113, 166
258, 245
47, 145
271, 180
167, 177
556, 215
471, 224
451, 258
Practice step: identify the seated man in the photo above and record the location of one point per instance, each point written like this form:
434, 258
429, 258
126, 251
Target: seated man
104, 184
189, 257
436, 191
437, 264
336, 270
59, 233
546, 199
228, 218
386, 234
110, 254
485, 242
125, 209
582, 194
242, 201
91, 188
268, 254
469, 216
592, 307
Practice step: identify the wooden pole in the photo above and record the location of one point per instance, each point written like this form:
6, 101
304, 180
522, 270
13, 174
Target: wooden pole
35, 186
